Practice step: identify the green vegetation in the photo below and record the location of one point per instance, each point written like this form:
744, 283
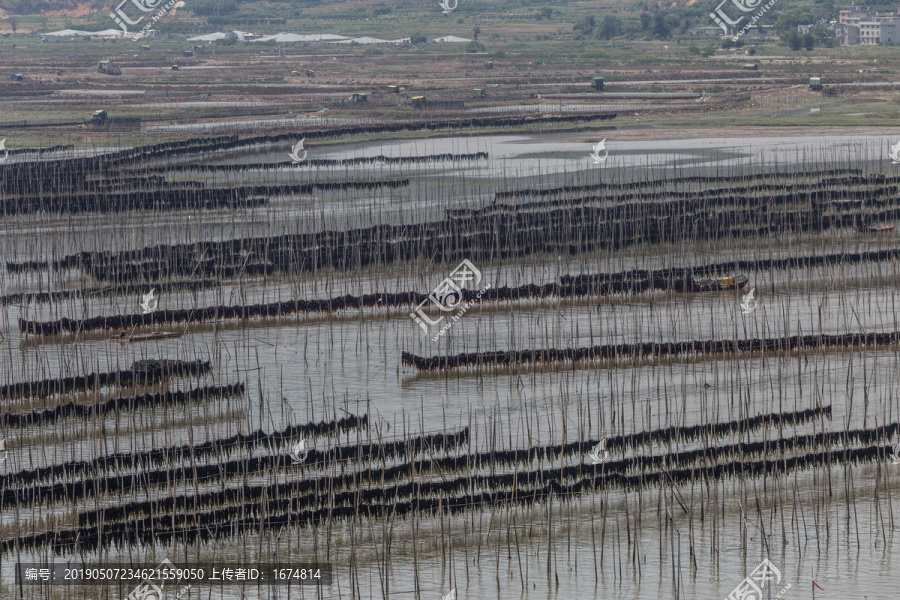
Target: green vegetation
515, 33
860, 111
609, 20
24, 7
210, 8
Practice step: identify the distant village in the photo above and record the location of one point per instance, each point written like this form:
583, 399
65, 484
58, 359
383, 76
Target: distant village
854, 26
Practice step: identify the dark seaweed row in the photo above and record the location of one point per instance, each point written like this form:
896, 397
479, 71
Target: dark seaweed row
194, 315
657, 349
570, 231
599, 284
334, 131
505, 457
113, 290
722, 196
147, 272
713, 429
127, 182
637, 275
165, 199
360, 160
190, 527
304, 493
818, 197
175, 454
51, 174
706, 179
277, 309
40, 150
398, 160
570, 234
173, 197
76, 409
289, 498
494, 236
72, 489
45, 175
639, 279
141, 372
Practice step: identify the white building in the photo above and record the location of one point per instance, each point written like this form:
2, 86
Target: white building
371, 40
880, 30
852, 15
847, 35
452, 39
297, 37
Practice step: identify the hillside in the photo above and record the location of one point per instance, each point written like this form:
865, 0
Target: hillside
606, 19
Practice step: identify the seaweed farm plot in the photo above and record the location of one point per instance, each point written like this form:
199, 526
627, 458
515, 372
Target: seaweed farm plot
607, 383
599, 223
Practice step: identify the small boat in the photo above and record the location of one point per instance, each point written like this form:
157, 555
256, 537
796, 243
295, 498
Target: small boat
879, 228
718, 284
143, 337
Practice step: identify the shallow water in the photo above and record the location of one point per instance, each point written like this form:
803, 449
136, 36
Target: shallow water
309, 368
